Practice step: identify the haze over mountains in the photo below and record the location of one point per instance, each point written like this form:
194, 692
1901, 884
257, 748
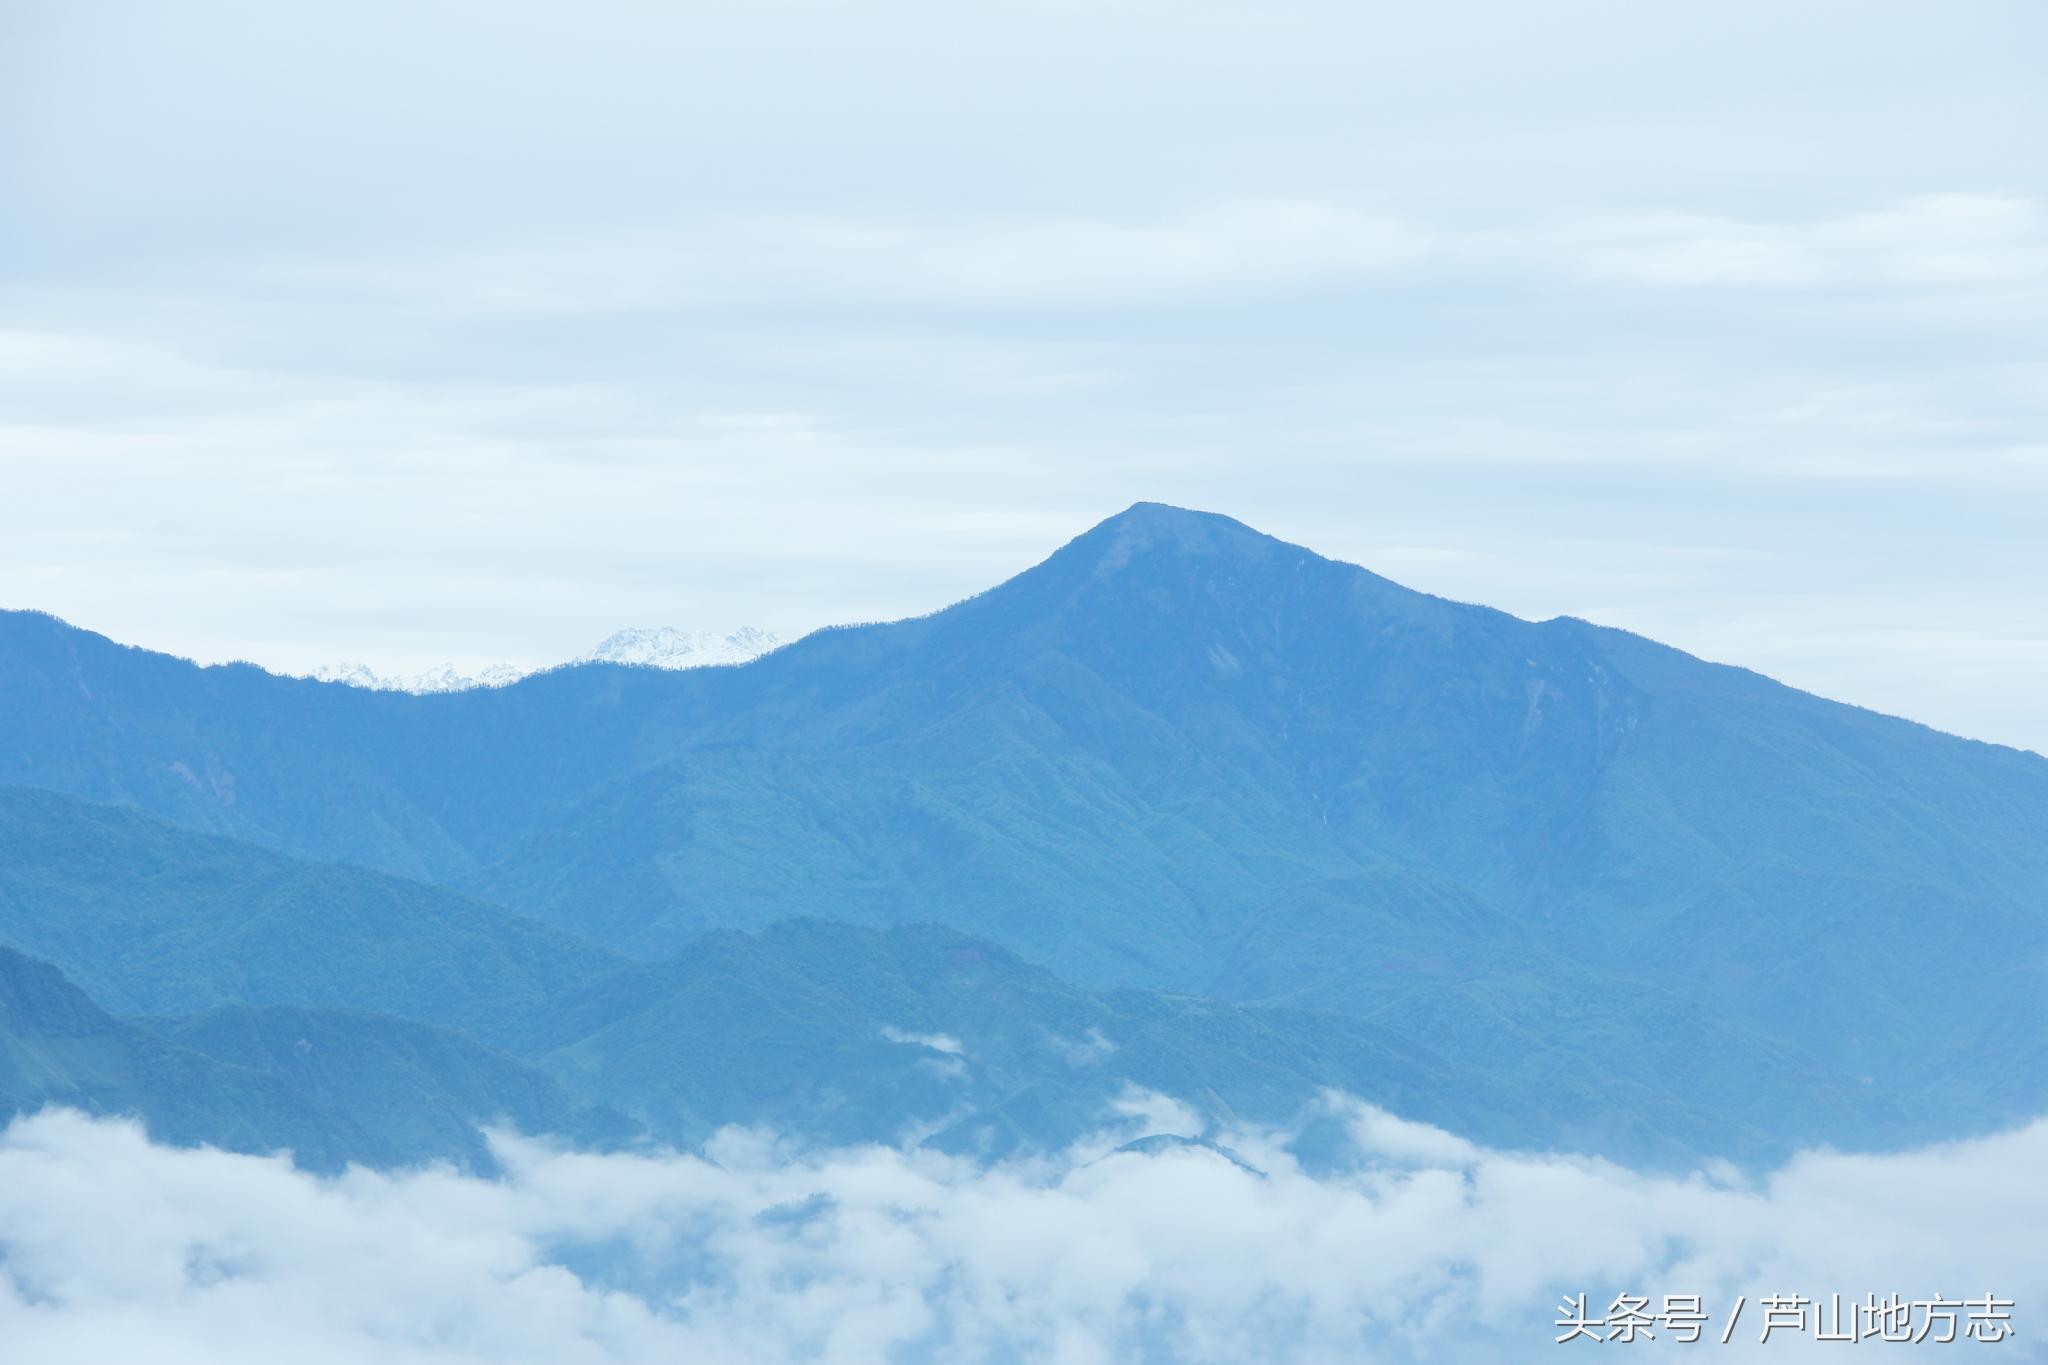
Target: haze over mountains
1183, 807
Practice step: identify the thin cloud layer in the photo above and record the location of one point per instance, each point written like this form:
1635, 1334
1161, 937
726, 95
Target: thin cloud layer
1425, 1248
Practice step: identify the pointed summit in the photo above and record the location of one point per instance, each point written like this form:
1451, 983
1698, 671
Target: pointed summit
1182, 531
1165, 580
1166, 521
1152, 554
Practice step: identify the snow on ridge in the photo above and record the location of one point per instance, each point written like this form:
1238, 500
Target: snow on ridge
662, 647
668, 647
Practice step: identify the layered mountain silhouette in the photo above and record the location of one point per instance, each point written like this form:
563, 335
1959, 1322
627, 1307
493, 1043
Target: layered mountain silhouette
1550, 880
150, 919
385, 1020
331, 1087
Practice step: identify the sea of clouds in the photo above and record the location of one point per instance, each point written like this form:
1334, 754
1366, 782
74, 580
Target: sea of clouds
757, 1249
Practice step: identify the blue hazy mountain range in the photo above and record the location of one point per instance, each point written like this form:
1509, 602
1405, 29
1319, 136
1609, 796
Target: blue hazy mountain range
428, 1014
331, 1085
1259, 821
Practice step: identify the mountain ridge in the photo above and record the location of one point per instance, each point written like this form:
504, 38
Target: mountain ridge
1175, 755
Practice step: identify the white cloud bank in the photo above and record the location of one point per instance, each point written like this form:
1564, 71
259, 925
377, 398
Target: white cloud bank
113, 1249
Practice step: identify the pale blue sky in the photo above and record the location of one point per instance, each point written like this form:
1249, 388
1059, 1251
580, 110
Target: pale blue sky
464, 331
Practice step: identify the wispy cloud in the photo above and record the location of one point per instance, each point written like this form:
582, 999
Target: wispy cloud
1087, 1050
1069, 262
1934, 242
935, 1042
1929, 251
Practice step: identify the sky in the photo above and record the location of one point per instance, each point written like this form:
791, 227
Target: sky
1422, 1248
464, 332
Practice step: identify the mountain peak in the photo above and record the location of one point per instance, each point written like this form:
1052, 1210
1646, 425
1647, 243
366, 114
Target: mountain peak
1173, 591
1159, 521
1148, 532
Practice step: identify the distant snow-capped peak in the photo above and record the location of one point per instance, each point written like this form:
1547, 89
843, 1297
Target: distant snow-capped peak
664, 647
668, 647
446, 678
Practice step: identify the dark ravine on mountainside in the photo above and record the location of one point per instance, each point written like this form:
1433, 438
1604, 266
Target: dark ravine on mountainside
1606, 893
